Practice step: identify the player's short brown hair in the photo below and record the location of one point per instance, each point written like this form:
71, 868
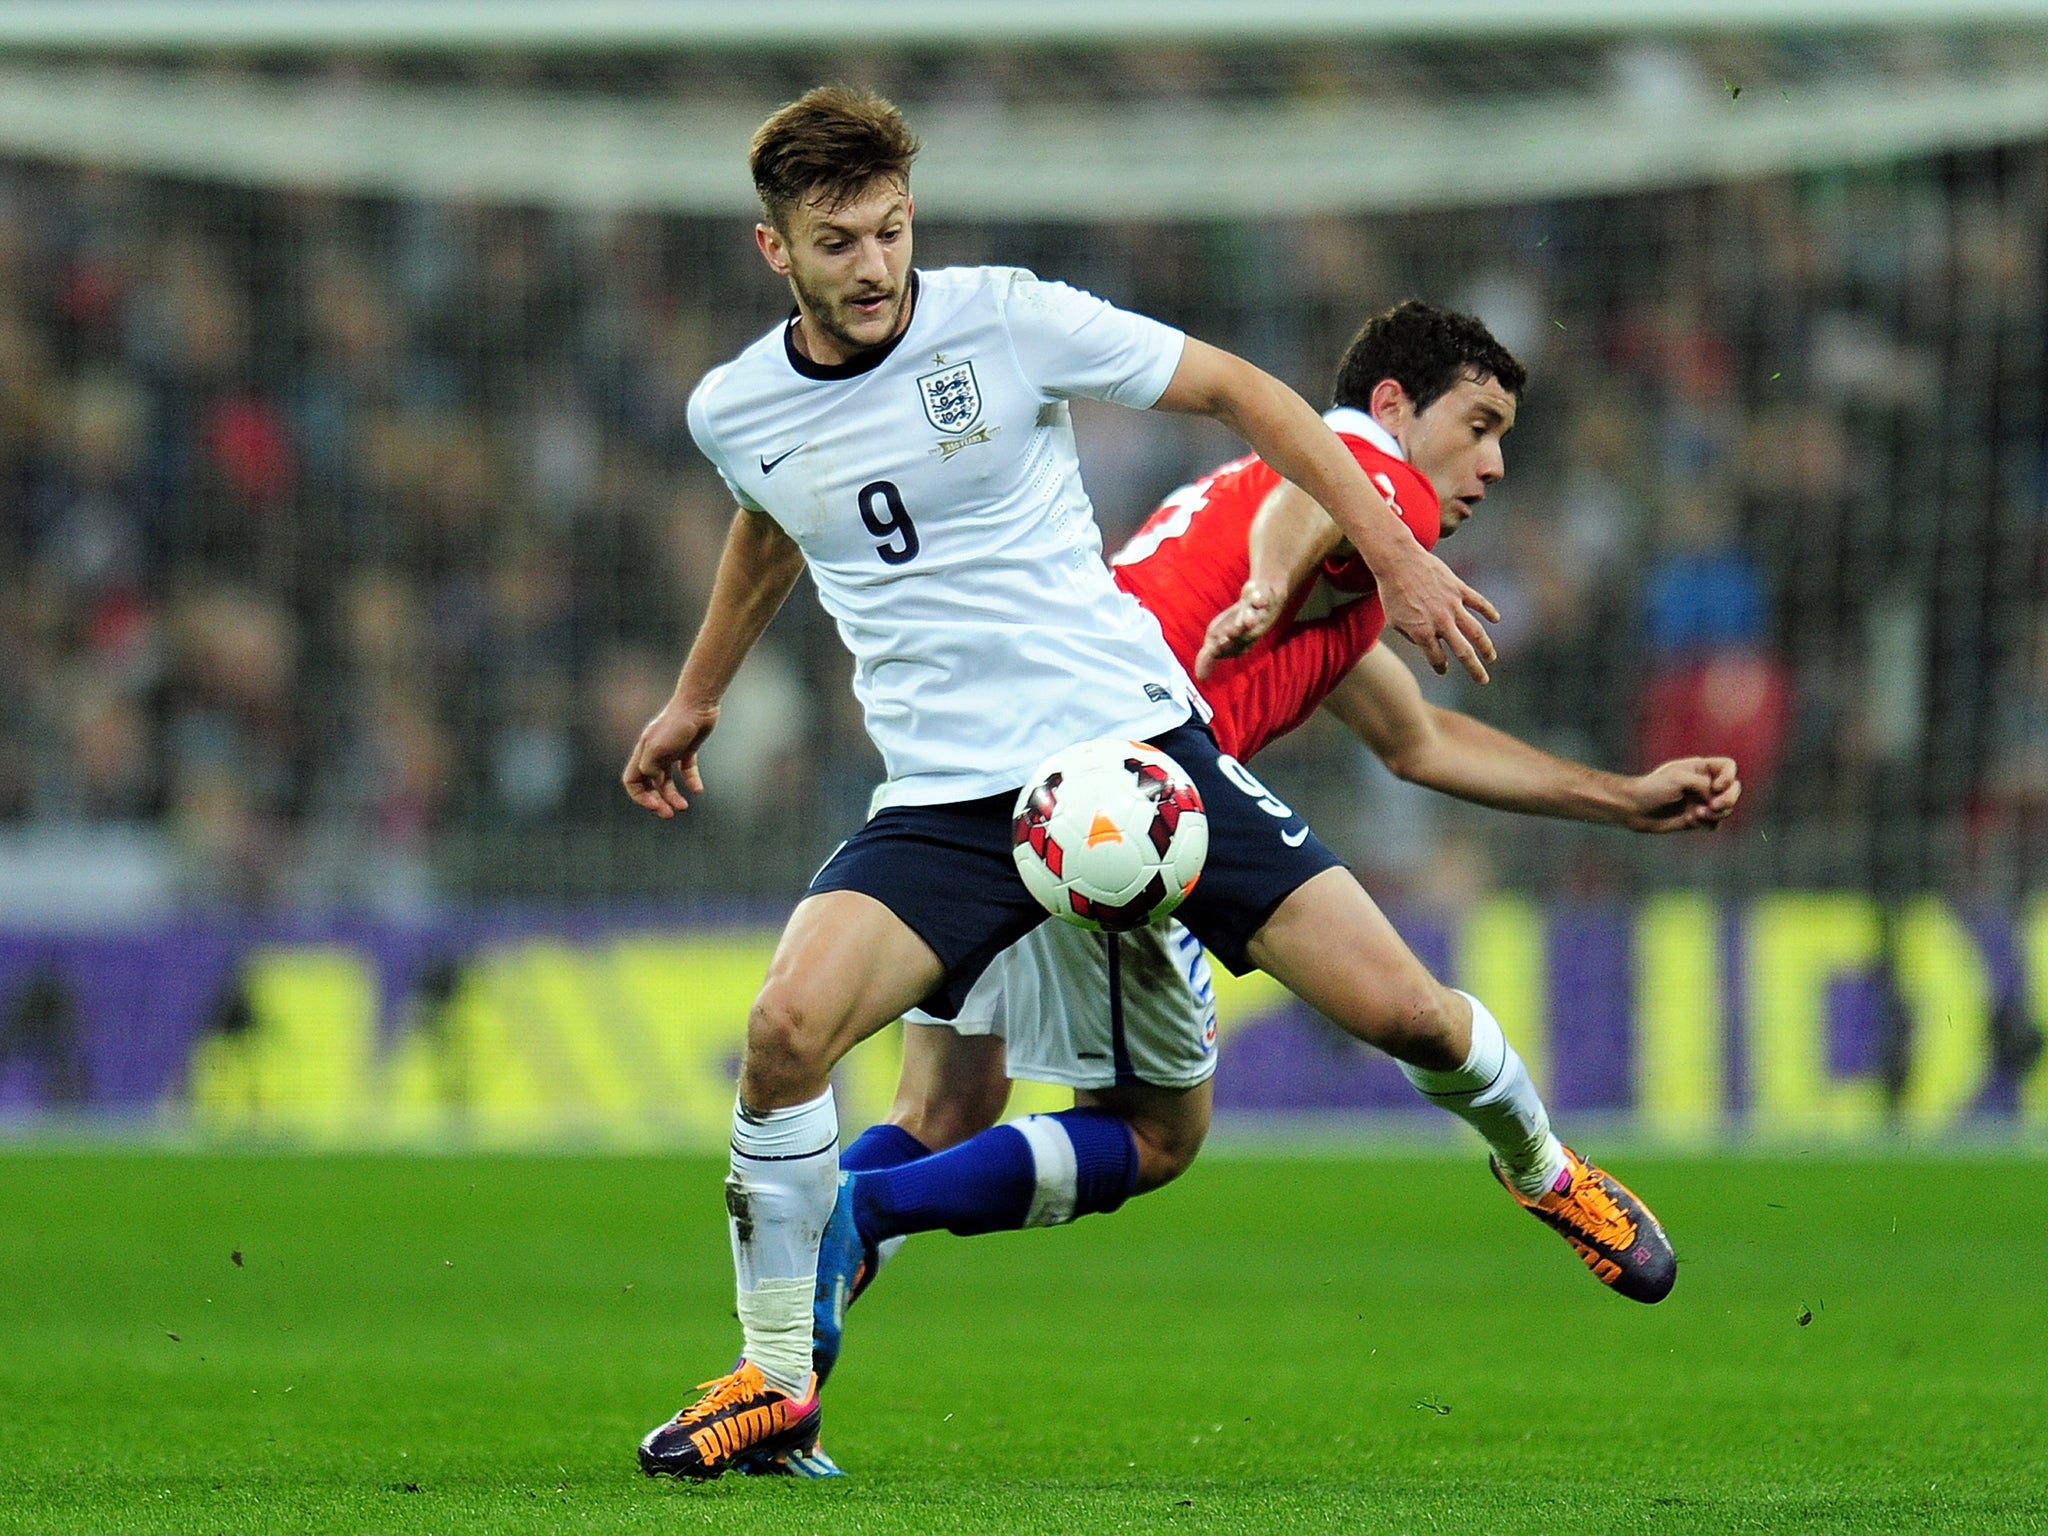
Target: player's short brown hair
1425, 349
828, 145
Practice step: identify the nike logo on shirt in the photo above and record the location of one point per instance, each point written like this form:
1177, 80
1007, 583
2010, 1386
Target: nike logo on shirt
768, 465
1294, 839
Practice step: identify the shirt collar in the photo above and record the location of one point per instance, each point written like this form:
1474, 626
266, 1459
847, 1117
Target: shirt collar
1353, 422
854, 366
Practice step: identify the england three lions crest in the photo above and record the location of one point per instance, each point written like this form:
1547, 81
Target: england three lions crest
952, 399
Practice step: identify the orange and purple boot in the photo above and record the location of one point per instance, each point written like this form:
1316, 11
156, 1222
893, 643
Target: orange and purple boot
1613, 1231
738, 1416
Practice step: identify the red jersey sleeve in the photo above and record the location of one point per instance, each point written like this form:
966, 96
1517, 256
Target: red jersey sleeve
1189, 561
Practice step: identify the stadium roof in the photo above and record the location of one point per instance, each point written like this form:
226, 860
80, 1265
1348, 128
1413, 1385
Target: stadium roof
1058, 111
1111, 162
665, 24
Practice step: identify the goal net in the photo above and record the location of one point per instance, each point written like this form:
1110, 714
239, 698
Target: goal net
352, 528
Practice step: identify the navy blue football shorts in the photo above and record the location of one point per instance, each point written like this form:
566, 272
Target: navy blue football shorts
947, 872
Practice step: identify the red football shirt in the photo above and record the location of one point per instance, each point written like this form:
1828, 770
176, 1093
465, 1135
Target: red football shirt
1191, 558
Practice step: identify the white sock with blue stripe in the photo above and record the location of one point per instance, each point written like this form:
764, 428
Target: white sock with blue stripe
778, 1198
1492, 1093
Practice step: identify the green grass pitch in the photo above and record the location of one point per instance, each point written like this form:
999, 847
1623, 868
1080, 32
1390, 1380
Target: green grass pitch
475, 1344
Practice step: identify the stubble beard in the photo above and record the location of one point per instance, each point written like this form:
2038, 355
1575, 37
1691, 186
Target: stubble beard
822, 310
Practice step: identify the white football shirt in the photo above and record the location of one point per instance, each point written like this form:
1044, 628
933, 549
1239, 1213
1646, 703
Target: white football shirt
935, 493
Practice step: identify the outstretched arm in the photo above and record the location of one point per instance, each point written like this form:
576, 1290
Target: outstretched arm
760, 564
1380, 701
1423, 597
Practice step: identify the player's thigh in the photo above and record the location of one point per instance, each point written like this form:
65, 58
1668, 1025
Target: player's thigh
953, 1085
845, 966
947, 874
1169, 1124
1330, 945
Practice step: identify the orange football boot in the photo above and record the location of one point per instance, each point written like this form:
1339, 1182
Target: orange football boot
739, 1416
1613, 1231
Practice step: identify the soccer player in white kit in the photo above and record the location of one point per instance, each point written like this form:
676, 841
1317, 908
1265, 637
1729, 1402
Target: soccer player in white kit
1423, 397
905, 437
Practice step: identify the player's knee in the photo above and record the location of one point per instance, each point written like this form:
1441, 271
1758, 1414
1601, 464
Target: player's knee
789, 1050
953, 1086
1167, 1149
941, 1122
1161, 1162
1419, 1023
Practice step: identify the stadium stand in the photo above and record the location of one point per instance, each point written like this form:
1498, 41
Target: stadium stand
352, 529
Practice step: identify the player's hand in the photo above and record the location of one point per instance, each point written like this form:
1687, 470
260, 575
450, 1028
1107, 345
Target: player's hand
1426, 600
1687, 794
1233, 631
666, 752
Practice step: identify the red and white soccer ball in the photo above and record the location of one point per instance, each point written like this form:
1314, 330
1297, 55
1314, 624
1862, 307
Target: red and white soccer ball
1110, 835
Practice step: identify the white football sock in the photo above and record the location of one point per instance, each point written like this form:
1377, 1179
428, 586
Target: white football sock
1492, 1093
778, 1199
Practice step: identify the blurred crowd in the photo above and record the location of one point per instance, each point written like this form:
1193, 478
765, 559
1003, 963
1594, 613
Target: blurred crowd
346, 544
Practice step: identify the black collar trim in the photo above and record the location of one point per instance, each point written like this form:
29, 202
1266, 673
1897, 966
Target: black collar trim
860, 362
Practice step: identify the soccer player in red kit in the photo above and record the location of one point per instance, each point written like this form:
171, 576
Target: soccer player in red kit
1192, 558
1258, 597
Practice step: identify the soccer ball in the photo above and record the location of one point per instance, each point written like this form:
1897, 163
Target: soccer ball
1110, 835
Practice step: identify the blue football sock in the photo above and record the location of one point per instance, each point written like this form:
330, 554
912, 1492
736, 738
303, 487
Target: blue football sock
1036, 1172
882, 1146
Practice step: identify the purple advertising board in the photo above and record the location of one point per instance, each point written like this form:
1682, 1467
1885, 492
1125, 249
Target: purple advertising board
1796, 1013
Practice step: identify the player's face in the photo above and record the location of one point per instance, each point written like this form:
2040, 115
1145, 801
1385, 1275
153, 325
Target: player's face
1456, 443
849, 266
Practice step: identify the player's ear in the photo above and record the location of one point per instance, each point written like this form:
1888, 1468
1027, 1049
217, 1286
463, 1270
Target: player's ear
1390, 403
774, 249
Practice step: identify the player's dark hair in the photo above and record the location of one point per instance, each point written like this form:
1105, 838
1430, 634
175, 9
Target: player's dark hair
1425, 349
828, 144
